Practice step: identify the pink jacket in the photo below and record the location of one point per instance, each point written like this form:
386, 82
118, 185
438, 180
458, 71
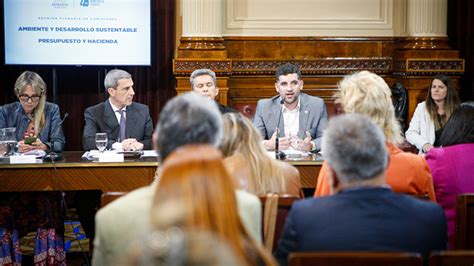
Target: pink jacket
451, 168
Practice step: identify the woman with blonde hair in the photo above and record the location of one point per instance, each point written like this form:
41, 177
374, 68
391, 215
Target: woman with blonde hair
194, 177
368, 94
38, 127
249, 163
430, 117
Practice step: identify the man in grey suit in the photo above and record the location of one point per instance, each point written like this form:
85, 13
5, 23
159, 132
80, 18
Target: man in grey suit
186, 119
128, 124
300, 118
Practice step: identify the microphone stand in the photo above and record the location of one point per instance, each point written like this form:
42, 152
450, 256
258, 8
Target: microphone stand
279, 155
52, 155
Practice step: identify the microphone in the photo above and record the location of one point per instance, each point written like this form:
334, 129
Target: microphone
279, 155
52, 155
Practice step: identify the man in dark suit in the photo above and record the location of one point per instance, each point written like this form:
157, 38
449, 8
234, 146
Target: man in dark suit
204, 82
128, 124
363, 214
297, 115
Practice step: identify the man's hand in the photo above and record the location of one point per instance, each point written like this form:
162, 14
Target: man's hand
283, 143
305, 144
131, 145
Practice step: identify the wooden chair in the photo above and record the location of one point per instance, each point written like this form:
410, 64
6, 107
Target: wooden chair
275, 211
366, 258
464, 227
452, 258
108, 197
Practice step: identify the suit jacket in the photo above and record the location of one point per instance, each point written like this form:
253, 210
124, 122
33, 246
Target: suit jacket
313, 117
422, 129
363, 219
225, 109
127, 218
101, 118
13, 115
451, 168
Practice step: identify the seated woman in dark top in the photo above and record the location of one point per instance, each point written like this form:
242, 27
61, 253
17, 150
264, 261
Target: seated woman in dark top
21, 213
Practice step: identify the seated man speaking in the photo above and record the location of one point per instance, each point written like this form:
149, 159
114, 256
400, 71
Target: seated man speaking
127, 124
299, 117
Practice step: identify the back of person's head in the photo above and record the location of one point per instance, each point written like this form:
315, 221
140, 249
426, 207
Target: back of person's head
194, 178
286, 69
368, 94
200, 72
460, 127
353, 146
188, 119
241, 136
113, 76
175, 247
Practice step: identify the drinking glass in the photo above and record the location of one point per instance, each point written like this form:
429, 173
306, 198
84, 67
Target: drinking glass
101, 141
8, 141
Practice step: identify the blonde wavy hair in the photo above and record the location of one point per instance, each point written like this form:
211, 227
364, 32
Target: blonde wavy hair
368, 94
39, 87
241, 137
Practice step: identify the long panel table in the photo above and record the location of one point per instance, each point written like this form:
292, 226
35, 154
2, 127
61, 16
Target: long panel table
75, 173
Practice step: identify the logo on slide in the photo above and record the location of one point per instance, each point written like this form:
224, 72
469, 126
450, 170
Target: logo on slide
84, 3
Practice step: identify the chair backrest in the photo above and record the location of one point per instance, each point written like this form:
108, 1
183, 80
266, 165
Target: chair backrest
464, 228
108, 197
452, 258
400, 102
365, 258
275, 211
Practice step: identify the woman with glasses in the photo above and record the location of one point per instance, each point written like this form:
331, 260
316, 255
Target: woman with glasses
38, 127
32, 116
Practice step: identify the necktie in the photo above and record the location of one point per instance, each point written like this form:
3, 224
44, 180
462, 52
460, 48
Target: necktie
122, 124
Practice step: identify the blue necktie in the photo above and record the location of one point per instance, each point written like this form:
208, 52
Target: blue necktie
122, 124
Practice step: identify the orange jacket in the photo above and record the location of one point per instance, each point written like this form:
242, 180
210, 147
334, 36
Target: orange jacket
406, 173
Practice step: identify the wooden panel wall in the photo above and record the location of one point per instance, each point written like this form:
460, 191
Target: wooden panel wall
245, 65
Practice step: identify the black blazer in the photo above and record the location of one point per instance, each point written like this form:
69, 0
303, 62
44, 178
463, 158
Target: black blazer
364, 219
101, 118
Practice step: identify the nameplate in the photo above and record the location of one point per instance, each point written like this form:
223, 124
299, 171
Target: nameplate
17, 159
110, 157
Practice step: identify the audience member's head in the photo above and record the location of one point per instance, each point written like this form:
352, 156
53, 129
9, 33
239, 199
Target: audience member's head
173, 246
194, 179
460, 127
204, 82
119, 85
355, 152
368, 94
242, 138
188, 119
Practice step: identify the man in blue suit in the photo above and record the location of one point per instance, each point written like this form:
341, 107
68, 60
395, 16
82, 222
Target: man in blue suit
363, 214
297, 115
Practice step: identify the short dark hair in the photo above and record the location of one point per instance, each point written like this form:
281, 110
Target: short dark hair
286, 69
460, 126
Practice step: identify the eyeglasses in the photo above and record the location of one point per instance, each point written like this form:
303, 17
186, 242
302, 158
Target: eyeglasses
25, 98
